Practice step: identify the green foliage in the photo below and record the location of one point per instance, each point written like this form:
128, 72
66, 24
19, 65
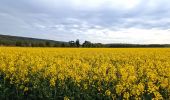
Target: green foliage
77, 43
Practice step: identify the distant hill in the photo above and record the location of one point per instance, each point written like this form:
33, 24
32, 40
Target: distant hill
7, 40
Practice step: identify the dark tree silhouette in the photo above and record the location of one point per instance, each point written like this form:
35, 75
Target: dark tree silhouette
77, 43
48, 44
18, 43
72, 44
87, 44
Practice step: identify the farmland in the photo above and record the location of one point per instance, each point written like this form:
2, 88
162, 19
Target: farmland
84, 73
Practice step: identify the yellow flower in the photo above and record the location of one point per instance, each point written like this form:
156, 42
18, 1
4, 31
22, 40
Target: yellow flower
107, 92
52, 82
66, 98
126, 95
130, 72
25, 89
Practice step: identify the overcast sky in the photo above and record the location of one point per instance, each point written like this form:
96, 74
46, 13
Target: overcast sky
106, 21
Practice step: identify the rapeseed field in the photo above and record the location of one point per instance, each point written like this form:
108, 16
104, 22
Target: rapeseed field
85, 73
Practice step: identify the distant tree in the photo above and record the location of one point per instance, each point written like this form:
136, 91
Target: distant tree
63, 45
57, 45
67, 44
72, 44
25, 44
87, 44
47, 43
41, 45
34, 44
77, 43
18, 43
29, 44
0, 42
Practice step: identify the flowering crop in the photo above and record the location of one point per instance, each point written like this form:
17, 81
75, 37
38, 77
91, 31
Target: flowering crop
84, 73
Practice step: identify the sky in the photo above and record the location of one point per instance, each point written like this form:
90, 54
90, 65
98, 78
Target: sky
104, 21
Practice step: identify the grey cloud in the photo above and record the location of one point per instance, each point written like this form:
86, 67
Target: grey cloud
61, 19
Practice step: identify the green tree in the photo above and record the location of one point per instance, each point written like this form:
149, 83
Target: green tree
41, 45
48, 44
77, 43
87, 44
18, 43
72, 44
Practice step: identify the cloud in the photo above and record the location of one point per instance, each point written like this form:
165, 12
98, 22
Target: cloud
107, 21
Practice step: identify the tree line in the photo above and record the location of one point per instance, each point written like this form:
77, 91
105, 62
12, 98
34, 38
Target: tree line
76, 43
6, 40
